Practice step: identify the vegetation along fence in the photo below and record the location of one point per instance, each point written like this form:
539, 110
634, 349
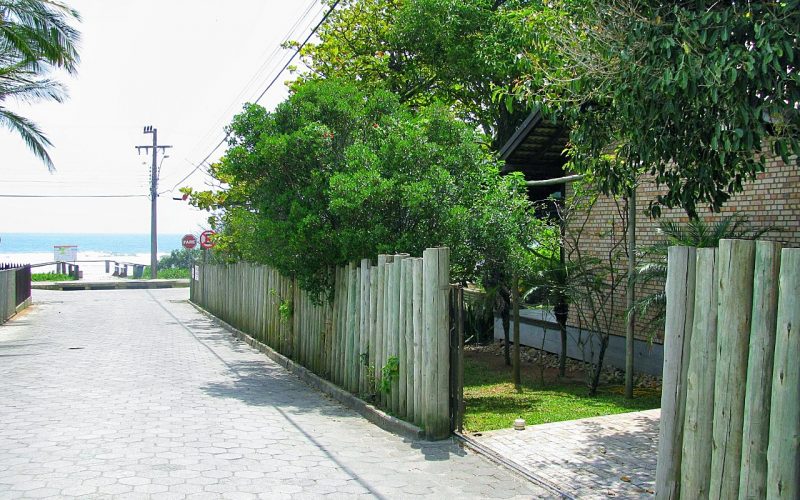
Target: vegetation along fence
15, 289
730, 415
384, 335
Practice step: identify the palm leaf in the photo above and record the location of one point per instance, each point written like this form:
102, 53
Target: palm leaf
37, 142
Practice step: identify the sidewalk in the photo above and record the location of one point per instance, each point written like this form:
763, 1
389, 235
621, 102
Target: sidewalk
593, 458
135, 394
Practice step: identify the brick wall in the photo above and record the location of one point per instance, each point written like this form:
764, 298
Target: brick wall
773, 199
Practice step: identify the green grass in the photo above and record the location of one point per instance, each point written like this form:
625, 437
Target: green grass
51, 276
492, 402
167, 274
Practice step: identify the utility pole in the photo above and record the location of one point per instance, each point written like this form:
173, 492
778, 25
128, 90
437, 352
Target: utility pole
153, 197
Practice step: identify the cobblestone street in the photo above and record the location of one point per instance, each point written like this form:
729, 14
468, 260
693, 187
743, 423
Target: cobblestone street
134, 394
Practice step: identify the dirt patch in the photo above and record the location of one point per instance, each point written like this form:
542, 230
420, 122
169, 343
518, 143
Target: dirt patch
531, 367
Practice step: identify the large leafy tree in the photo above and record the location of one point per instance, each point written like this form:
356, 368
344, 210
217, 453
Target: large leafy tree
334, 174
36, 36
692, 92
451, 51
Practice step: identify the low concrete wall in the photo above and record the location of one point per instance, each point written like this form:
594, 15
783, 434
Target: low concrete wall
538, 328
8, 295
110, 285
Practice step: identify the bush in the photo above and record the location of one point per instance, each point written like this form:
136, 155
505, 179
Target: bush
51, 276
334, 175
168, 273
179, 259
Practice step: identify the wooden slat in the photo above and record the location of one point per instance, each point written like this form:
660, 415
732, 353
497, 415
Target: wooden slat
735, 298
783, 454
696, 459
755, 434
680, 288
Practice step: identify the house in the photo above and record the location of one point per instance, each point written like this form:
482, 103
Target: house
535, 149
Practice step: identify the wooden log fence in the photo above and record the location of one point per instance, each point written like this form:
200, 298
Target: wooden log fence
730, 416
384, 335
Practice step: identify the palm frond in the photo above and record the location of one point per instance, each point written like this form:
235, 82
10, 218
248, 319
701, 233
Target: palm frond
649, 272
30, 91
37, 142
40, 31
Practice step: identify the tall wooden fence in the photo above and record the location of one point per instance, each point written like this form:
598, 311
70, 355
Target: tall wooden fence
385, 334
730, 407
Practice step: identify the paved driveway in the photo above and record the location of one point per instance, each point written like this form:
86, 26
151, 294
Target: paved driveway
134, 394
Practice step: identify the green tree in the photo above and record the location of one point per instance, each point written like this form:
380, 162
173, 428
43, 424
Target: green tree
692, 92
334, 174
180, 259
425, 51
35, 36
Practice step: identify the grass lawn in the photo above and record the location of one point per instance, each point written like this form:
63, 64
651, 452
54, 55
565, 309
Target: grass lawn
493, 403
51, 276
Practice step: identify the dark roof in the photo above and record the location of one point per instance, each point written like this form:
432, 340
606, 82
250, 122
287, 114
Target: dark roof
536, 148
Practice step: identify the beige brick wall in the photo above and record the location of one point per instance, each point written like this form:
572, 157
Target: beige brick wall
773, 199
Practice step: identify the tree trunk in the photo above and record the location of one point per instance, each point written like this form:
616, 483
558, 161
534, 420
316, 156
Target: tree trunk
505, 315
630, 295
515, 302
599, 365
561, 312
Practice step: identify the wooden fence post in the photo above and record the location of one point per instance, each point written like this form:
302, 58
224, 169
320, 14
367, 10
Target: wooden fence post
698, 421
363, 327
755, 435
436, 286
677, 336
395, 321
419, 357
783, 454
402, 354
407, 378
379, 321
390, 333
373, 313
735, 298
350, 327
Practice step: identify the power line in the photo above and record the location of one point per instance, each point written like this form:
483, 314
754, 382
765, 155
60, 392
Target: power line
267, 61
74, 196
195, 169
269, 86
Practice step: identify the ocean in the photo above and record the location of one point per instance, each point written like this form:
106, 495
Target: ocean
34, 248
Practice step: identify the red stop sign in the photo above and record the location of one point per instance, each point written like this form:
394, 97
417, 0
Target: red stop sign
206, 240
189, 241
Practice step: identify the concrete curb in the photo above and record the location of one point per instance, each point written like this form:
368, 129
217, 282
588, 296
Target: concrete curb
366, 410
25, 304
109, 285
495, 457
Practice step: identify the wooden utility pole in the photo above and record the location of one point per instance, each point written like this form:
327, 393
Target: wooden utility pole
153, 197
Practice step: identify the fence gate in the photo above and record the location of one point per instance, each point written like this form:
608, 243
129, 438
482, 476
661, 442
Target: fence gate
456, 358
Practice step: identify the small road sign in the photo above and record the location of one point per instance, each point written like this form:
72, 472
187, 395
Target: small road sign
206, 239
189, 241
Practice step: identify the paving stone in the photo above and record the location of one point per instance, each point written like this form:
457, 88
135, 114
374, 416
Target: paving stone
160, 402
587, 458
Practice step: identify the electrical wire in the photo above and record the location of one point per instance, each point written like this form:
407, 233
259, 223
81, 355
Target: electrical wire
74, 196
271, 83
267, 61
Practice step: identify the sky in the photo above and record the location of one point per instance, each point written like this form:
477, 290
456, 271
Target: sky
185, 67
